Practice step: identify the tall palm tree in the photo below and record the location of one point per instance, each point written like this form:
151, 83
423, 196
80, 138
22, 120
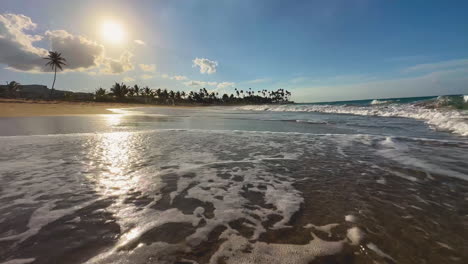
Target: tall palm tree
55, 61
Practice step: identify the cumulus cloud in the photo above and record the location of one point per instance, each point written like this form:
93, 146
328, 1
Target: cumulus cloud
19, 53
117, 66
140, 42
206, 66
16, 46
148, 67
223, 85
80, 52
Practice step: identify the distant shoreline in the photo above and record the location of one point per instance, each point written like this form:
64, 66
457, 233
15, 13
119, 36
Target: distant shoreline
30, 108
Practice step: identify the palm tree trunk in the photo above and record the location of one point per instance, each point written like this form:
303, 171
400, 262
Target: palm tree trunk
53, 84
55, 76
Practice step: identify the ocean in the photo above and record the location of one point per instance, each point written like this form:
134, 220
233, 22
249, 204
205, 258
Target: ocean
368, 181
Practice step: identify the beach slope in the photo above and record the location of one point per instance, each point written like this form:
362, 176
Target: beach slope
15, 108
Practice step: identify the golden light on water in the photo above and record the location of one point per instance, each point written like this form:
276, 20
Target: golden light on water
112, 32
116, 153
113, 119
116, 158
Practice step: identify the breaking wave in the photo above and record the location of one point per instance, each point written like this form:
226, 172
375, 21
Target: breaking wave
376, 102
447, 113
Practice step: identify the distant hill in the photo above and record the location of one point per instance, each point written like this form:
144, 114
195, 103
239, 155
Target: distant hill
37, 91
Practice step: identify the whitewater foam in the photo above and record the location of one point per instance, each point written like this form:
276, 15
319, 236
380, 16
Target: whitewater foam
249, 178
377, 102
237, 249
452, 120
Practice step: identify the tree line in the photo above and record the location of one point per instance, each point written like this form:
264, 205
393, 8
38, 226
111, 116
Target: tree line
126, 93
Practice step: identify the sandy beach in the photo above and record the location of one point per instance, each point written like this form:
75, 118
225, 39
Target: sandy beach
17, 107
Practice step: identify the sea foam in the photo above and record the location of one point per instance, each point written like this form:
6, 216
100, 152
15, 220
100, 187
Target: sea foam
446, 119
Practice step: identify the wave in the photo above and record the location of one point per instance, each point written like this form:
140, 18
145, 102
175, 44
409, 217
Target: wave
447, 113
376, 102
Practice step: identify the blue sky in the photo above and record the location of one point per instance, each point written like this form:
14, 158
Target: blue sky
319, 50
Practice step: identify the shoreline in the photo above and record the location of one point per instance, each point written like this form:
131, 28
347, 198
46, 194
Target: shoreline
31, 108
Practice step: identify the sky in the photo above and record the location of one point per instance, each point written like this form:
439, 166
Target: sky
319, 50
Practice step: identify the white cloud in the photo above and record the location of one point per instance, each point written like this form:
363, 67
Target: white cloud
17, 50
223, 85
175, 77
179, 78
148, 67
438, 65
81, 53
128, 79
117, 66
140, 42
146, 76
206, 66
200, 83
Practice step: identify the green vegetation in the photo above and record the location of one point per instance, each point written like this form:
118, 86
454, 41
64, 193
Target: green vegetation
121, 92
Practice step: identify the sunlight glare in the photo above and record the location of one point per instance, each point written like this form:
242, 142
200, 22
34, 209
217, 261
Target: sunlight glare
112, 32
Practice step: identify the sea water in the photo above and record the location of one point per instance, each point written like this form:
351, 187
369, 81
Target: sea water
363, 182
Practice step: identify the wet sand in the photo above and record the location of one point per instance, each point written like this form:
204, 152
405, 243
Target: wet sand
17, 108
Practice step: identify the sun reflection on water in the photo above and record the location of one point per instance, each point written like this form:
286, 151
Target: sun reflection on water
116, 154
113, 119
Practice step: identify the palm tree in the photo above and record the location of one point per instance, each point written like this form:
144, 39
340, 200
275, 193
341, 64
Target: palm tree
12, 88
131, 91
55, 61
136, 89
100, 92
119, 90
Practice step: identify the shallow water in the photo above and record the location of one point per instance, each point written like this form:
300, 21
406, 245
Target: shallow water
221, 185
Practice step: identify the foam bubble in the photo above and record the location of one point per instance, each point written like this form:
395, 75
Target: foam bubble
355, 235
324, 228
351, 218
399, 152
237, 249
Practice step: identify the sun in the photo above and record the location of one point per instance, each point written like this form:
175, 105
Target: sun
112, 32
